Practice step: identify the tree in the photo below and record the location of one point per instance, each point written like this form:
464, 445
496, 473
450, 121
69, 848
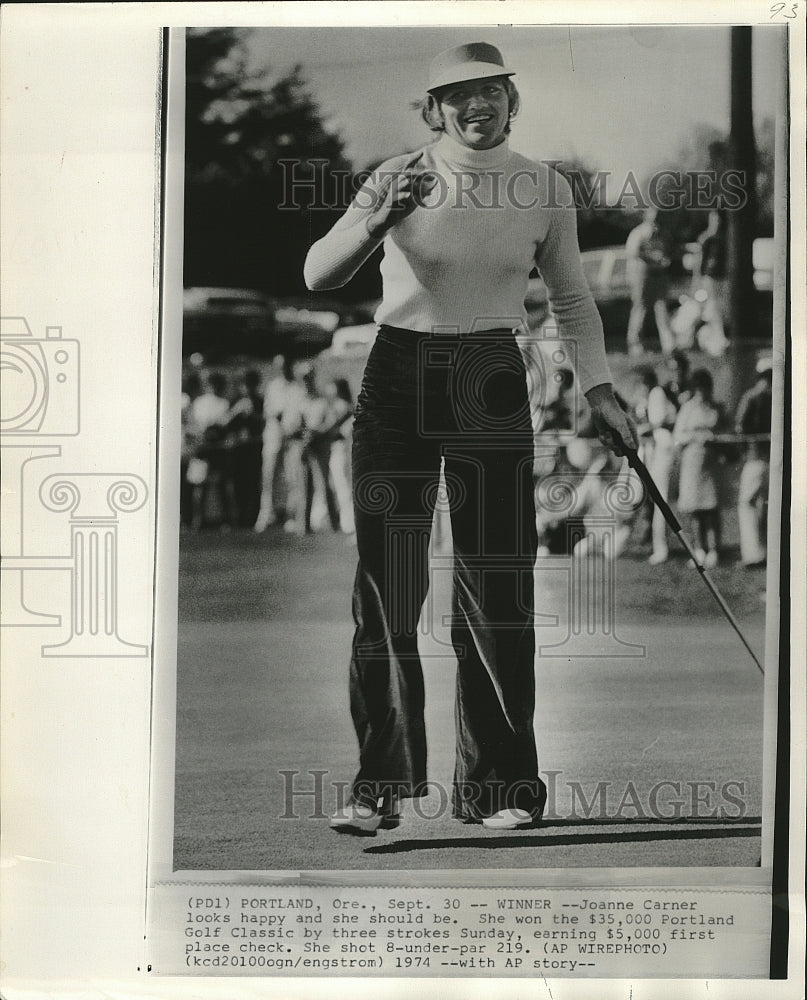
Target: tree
706, 148
598, 224
238, 122
240, 125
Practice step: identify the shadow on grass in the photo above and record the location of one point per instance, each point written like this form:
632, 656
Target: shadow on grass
679, 829
653, 821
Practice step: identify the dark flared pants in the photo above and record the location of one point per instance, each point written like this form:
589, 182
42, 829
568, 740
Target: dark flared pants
462, 399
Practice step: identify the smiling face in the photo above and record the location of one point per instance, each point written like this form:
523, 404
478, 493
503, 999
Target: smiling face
476, 112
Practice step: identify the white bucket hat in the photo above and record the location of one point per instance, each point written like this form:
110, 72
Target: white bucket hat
474, 61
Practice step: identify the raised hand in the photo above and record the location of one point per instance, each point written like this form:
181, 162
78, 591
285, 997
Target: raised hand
397, 196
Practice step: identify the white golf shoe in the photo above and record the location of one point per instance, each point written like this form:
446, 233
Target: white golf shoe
509, 819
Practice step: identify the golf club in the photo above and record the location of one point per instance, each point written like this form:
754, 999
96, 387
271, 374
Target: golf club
642, 472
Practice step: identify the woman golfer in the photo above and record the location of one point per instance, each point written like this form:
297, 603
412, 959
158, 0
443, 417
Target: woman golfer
463, 221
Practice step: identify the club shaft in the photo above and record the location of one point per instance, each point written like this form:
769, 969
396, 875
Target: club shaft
642, 471
719, 598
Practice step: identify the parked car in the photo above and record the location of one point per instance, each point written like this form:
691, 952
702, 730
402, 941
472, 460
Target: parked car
353, 341
303, 332
222, 322
606, 273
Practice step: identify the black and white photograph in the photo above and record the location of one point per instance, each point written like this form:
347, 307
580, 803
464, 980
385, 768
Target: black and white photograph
479, 371
403, 526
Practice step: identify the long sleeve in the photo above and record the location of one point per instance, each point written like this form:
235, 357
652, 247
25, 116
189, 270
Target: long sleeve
333, 260
558, 260
462, 257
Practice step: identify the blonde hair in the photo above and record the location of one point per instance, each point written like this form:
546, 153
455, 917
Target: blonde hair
429, 106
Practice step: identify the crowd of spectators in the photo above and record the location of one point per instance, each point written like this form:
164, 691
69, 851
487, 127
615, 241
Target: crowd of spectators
267, 448
274, 448
689, 444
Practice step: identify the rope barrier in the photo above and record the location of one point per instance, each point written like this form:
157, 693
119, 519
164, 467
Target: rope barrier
560, 437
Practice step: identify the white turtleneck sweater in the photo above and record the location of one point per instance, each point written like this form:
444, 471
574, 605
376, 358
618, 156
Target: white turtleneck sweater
462, 259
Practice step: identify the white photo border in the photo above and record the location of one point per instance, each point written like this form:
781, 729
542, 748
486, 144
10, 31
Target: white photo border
84, 177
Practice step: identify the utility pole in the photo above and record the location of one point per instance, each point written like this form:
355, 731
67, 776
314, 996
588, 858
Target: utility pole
742, 221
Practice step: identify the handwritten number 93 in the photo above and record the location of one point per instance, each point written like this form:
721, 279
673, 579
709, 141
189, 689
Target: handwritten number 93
788, 11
